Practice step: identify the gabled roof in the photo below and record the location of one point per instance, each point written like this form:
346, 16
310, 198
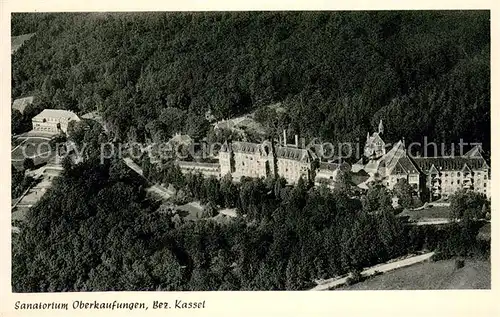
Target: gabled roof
393, 156
399, 169
245, 147
292, 153
57, 114
475, 152
374, 138
225, 147
408, 165
181, 139
466, 168
433, 170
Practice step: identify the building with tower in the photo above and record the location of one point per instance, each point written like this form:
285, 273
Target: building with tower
432, 178
374, 145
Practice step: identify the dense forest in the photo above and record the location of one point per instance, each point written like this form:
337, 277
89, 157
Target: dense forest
96, 230
152, 75
337, 73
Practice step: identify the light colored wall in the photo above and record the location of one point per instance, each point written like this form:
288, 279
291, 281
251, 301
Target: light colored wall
45, 126
205, 171
452, 181
225, 163
249, 165
292, 170
50, 125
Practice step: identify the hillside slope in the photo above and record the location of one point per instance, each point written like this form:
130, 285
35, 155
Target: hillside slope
338, 73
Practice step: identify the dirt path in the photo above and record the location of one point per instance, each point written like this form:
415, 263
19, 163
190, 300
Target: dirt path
431, 222
160, 191
12, 151
163, 192
130, 163
327, 284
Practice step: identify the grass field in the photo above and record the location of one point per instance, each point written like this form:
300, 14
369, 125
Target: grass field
427, 213
476, 274
31, 147
190, 211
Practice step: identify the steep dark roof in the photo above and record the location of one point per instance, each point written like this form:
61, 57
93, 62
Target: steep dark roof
375, 137
392, 157
187, 164
245, 147
405, 166
331, 166
476, 151
448, 163
292, 153
399, 169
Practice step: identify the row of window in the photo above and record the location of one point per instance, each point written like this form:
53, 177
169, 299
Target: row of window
50, 129
465, 174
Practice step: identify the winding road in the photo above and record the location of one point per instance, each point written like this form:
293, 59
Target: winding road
333, 282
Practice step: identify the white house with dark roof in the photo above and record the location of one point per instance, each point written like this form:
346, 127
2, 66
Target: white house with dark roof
53, 120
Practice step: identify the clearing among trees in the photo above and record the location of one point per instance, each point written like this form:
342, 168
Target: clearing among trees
476, 274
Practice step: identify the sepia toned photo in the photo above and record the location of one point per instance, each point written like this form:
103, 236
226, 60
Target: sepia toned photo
250, 151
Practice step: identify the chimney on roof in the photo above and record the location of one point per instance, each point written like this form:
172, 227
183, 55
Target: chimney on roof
296, 141
284, 137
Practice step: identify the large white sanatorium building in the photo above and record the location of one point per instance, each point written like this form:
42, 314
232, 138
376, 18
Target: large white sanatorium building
53, 120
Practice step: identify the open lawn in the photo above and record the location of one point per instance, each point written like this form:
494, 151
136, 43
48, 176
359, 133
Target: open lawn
193, 212
190, 211
427, 213
476, 274
31, 147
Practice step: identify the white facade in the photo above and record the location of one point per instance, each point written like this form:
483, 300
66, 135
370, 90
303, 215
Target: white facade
52, 120
206, 169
